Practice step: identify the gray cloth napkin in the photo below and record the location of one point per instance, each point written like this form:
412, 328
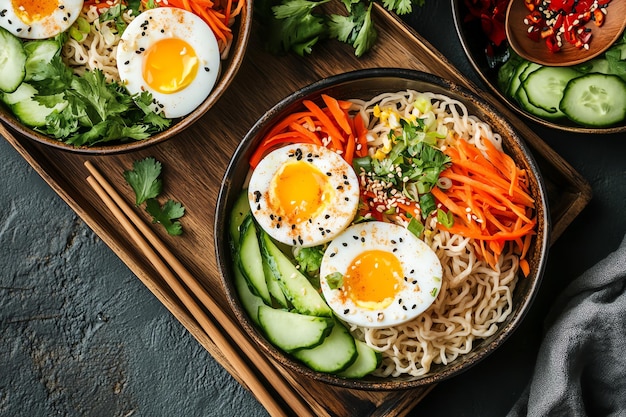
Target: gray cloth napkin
581, 366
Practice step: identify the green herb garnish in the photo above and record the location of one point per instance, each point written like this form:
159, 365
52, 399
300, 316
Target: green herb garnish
145, 182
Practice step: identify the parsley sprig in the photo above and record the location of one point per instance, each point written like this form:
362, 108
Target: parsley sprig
145, 182
298, 25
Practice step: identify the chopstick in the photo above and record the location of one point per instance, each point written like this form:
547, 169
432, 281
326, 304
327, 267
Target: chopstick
163, 259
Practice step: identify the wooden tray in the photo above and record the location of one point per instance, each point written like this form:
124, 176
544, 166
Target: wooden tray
195, 161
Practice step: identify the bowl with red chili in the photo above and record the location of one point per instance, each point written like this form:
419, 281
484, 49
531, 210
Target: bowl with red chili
588, 97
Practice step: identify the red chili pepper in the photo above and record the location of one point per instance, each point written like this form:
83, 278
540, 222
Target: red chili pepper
598, 17
535, 17
564, 5
534, 34
547, 32
531, 5
552, 44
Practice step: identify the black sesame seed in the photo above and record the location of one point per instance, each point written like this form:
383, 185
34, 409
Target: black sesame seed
271, 217
345, 244
362, 239
293, 227
401, 240
127, 62
347, 199
207, 69
395, 250
61, 7
162, 30
257, 196
399, 300
332, 255
327, 216
9, 20
294, 242
346, 311
355, 237
414, 282
278, 225
393, 241
340, 187
412, 271
258, 207
329, 174
404, 308
19, 30
300, 240
414, 306
3, 12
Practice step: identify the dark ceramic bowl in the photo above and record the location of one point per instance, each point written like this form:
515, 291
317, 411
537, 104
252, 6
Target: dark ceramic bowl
366, 84
229, 68
474, 41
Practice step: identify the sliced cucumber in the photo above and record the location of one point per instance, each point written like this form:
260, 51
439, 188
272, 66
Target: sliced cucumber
237, 215
297, 288
28, 110
24, 92
595, 100
522, 99
39, 53
12, 61
545, 86
366, 362
273, 286
293, 331
335, 354
250, 259
249, 300
514, 81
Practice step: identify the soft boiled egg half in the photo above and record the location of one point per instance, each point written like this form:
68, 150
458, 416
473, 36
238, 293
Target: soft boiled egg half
173, 54
303, 194
38, 19
377, 274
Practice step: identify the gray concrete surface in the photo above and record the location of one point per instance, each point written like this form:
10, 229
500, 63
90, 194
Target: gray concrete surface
79, 334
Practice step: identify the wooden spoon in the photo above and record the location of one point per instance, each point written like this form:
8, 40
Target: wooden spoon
537, 51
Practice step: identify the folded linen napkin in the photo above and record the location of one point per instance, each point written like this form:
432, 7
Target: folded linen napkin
581, 365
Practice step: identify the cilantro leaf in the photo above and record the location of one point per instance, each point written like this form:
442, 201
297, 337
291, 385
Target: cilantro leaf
401, 6
164, 215
297, 28
144, 179
366, 36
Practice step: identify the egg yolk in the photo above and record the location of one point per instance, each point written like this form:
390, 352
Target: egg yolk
299, 190
30, 11
170, 65
372, 279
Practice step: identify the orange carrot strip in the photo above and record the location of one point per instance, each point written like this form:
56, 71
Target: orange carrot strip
330, 128
340, 116
306, 132
524, 266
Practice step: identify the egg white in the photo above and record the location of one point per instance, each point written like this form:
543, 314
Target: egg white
331, 219
416, 291
58, 21
168, 22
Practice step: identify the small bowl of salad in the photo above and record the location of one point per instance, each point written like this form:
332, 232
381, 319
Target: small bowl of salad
356, 239
589, 97
102, 77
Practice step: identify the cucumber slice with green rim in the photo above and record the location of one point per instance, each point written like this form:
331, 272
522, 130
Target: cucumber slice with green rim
366, 362
297, 288
514, 81
39, 53
522, 99
30, 111
250, 259
12, 61
545, 86
335, 354
249, 300
293, 331
273, 286
595, 100
237, 215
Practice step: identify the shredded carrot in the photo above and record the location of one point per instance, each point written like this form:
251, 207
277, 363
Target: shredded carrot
218, 15
489, 199
327, 125
340, 115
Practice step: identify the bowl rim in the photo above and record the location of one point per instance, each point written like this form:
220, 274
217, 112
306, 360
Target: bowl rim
225, 78
461, 34
224, 256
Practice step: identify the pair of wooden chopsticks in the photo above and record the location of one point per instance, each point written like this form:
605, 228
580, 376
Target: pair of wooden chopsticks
168, 265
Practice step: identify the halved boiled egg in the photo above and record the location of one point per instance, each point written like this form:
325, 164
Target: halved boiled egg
379, 274
38, 19
303, 194
173, 54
